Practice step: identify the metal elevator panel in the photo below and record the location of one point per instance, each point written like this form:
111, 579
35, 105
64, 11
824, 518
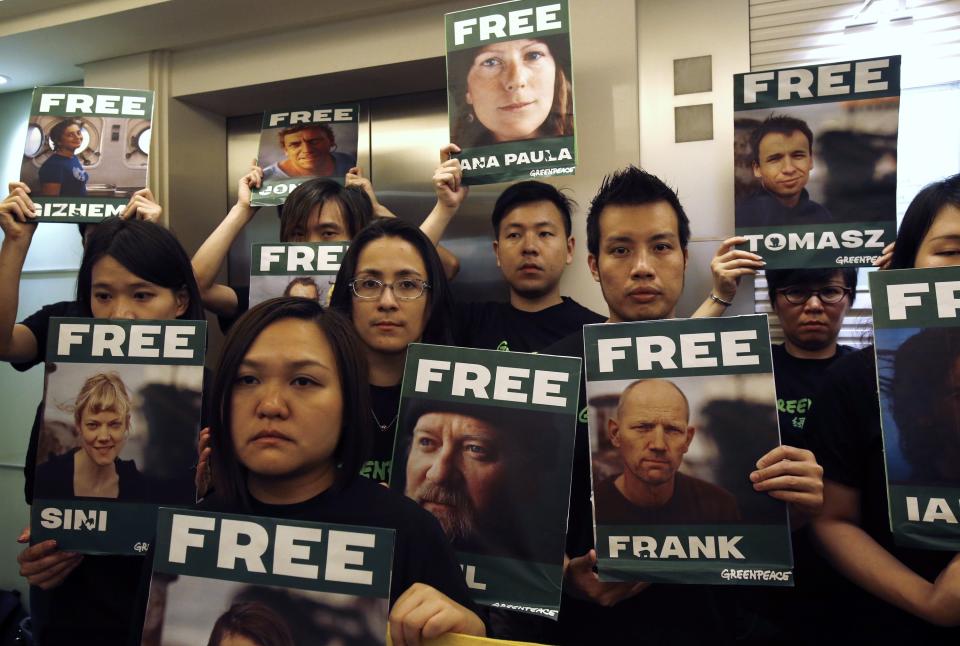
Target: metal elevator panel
400, 140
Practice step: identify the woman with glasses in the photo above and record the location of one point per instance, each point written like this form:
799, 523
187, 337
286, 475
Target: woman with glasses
392, 285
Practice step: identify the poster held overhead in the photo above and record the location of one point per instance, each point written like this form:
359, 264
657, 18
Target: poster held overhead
118, 435
678, 413
815, 162
485, 442
86, 152
917, 350
510, 90
298, 145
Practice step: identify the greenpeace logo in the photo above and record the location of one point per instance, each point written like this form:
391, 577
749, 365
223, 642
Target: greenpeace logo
547, 612
755, 575
547, 172
91, 520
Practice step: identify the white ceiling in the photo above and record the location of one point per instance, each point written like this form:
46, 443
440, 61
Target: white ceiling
46, 41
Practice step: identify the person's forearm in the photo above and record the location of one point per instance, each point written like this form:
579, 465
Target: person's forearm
435, 224
13, 253
862, 560
381, 211
211, 254
709, 308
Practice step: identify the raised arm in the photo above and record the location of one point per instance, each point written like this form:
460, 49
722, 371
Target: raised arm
728, 266
17, 342
222, 299
355, 178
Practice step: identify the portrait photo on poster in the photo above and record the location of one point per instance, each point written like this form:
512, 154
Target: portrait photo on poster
490, 475
187, 610
308, 150
121, 432
677, 451
316, 288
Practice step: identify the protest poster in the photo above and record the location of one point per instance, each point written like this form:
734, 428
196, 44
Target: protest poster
267, 581
86, 152
304, 269
679, 411
815, 162
297, 145
917, 349
510, 90
485, 442
118, 434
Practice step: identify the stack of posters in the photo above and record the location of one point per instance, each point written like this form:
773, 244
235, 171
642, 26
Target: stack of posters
510, 90
118, 437
304, 269
485, 442
917, 345
223, 578
86, 151
815, 162
679, 411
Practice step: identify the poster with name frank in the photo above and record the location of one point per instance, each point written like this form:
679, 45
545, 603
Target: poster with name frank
679, 411
118, 433
485, 443
86, 152
917, 346
510, 90
815, 162
303, 269
298, 145
231, 579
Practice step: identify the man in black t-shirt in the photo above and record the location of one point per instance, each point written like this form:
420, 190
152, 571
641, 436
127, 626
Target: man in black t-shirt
533, 245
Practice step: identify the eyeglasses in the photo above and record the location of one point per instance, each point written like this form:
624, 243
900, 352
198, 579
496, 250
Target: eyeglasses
799, 295
404, 289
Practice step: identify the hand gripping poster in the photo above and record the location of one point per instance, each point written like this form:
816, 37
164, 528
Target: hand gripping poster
298, 145
679, 412
917, 346
485, 443
86, 151
815, 162
510, 90
230, 579
303, 269
118, 435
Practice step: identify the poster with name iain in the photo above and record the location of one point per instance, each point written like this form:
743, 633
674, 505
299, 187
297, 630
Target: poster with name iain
86, 152
815, 162
917, 349
510, 91
485, 442
118, 432
224, 578
298, 145
303, 269
679, 411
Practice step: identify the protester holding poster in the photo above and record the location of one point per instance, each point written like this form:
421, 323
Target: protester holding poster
288, 431
87, 151
906, 593
76, 597
815, 152
510, 90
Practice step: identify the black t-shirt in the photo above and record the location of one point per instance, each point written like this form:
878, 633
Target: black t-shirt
763, 209
798, 381
693, 501
843, 430
385, 402
661, 614
243, 304
501, 326
421, 552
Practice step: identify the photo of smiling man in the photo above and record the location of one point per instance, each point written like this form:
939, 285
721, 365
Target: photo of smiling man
510, 98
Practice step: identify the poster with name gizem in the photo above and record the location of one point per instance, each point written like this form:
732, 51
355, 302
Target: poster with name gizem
303, 269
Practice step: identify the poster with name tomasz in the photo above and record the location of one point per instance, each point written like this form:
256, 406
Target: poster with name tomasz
510, 91
86, 152
485, 443
300, 144
118, 435
304, 269
917, 345
223, 578
815, 162
679, 412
